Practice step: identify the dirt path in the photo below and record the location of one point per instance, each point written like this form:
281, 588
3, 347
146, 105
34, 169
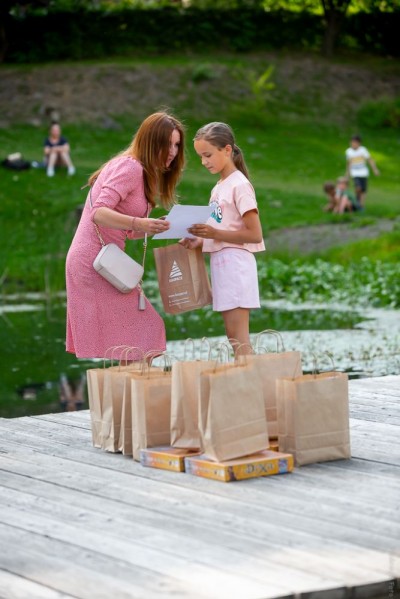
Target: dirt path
318, 238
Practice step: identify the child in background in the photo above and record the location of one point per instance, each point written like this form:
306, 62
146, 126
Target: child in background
231, 235
330, 192
340, 198
57, 151
357, 160
345, 200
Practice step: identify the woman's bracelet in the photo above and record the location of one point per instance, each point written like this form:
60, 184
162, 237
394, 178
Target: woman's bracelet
133, 224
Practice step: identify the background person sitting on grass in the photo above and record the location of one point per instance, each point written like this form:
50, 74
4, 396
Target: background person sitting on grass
57, 151
345, 199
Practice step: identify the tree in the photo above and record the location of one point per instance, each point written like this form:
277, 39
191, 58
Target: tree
334, 14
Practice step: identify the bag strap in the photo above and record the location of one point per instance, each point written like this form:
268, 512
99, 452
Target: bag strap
103, 242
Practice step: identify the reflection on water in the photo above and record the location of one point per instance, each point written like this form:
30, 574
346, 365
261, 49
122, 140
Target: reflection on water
38, 376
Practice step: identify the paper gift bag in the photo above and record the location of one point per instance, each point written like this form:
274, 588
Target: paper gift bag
182, 278
185, 402
151, 410
270, 367
313, 417
95, 387
113, 392
232, 420
114, 438
95, 377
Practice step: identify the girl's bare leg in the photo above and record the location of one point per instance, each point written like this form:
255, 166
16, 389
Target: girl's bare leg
237, 328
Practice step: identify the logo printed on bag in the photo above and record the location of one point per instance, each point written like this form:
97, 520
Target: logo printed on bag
175, 274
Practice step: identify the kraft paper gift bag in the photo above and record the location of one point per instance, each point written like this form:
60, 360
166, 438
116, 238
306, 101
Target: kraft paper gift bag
232, 419
113, 397
125, 434
270, 367
95, 377
313, 417
185, 402
95, 386
182, 278
113, 393
151, 410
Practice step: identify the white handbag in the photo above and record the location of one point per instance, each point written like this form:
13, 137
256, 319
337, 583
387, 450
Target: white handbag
119, 269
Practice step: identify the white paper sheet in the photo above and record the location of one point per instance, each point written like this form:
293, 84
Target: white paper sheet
181, 218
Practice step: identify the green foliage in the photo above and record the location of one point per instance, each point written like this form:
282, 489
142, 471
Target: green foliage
288, 160
203, 72
363, 282
88, 33
380, 113
261, 86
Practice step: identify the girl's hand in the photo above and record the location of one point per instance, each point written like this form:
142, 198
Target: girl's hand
191, 244
151, 225
203, 231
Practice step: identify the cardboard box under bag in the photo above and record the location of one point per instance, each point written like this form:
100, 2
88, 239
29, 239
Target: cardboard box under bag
165, 458
263, 463
185, 402
182, 278
313, 417
232, 420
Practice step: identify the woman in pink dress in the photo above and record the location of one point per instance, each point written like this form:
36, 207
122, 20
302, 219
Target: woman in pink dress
123, 192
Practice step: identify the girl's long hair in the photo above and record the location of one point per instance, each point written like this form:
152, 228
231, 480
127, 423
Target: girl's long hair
150, 146
221, 135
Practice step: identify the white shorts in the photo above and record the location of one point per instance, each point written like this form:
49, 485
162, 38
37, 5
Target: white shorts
234, 279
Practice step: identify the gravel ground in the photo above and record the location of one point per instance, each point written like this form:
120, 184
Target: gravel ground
314, 239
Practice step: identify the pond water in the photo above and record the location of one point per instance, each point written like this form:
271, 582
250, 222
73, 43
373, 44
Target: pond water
38, 376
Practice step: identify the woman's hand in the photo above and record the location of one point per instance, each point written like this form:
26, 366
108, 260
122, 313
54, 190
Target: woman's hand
203, 231
151, 225
191, 244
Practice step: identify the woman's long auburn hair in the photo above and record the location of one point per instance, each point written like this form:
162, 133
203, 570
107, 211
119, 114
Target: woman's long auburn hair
150, 146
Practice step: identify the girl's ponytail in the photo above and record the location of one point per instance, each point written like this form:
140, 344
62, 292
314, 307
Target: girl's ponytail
238, 160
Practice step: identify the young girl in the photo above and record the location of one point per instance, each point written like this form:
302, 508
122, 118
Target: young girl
232, 234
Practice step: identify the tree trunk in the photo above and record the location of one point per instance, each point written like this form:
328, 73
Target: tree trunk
332, 29
334, 14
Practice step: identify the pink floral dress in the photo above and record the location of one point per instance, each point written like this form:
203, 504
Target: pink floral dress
99, 316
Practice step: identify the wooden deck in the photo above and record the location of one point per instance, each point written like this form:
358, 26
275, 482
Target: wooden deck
78, 522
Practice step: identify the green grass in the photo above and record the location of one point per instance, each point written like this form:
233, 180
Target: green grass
288, 158
288, 165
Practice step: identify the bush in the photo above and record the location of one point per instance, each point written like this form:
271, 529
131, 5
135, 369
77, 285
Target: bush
382, 113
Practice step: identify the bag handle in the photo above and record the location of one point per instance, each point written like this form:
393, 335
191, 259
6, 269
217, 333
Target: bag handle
316, 369
280, 347
203, 341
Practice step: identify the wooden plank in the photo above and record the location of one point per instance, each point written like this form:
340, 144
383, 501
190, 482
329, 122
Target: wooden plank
86, 454
113, 539
16, 587
191, 546
83, 574
347, 481
333, 510
248, 527
323, 518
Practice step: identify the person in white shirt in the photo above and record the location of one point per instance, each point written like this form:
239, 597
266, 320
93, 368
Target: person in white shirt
358, 158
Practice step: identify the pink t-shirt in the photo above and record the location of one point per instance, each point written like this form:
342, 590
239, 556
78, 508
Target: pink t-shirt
231, 198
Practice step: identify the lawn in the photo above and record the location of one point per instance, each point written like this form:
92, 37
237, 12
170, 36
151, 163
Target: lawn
290, 152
